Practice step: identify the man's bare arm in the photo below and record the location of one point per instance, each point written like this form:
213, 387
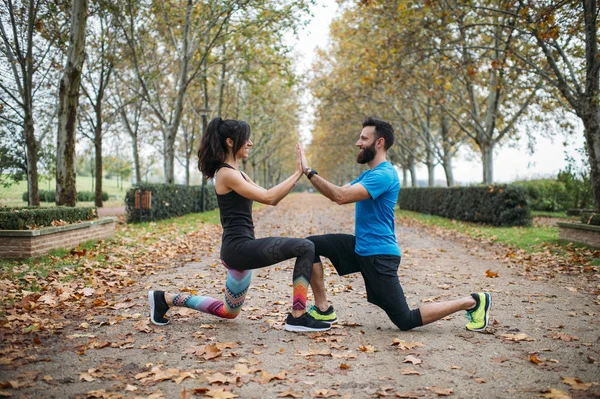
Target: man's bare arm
340, 195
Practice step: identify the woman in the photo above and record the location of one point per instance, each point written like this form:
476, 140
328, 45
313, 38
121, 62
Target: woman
224, 143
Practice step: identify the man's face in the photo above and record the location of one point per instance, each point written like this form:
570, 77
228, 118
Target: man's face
366, 143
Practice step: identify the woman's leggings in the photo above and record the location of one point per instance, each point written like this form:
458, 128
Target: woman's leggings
240, 258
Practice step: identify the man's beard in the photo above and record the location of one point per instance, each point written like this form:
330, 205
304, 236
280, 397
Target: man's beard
366, 155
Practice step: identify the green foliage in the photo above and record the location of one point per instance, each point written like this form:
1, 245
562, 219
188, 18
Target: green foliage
50, 196
498, 205
592, 218
29, 218
577, 182
547, 195
169, 200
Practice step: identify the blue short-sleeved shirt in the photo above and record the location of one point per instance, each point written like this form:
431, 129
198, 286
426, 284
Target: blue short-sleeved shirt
374, 228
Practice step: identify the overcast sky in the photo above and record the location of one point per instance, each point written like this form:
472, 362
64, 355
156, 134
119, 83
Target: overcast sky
509, 163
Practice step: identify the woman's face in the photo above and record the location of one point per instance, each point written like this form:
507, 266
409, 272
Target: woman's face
244, 150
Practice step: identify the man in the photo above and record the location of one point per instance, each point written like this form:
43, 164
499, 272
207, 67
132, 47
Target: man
373, 251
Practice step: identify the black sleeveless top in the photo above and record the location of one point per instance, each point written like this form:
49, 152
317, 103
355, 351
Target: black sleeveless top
236, 216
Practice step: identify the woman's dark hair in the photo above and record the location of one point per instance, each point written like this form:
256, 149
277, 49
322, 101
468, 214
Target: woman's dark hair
213, 147
382, 129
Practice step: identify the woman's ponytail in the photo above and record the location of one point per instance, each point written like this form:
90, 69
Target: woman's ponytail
213, 149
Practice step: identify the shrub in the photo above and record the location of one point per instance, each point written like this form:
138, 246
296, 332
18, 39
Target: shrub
498, 205
50, 196
592, 218
30, 218
546, 195
169, 200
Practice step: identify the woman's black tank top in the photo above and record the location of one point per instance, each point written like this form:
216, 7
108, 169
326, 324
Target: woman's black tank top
236, 215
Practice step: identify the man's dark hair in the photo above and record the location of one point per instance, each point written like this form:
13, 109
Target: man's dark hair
382, 129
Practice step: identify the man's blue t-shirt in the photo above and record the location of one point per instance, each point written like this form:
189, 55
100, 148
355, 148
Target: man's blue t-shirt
374, 228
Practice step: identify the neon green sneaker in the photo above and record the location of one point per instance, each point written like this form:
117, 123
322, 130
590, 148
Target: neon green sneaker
480, 314
327, 316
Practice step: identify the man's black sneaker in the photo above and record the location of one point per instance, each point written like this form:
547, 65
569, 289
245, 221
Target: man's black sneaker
158, 307
305, 323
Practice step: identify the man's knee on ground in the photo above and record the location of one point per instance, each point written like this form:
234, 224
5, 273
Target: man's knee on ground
407, 320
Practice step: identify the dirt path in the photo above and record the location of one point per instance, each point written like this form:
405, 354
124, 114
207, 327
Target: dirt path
116, 353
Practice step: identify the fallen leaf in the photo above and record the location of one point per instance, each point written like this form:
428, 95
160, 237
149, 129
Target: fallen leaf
491, 274
344, 366
576, 383
555, 394
367, 349
404, 345
409, 371
324, 393
290, 394
220, 394
412, 359
533, 359
564, 337
441, 391
517, 337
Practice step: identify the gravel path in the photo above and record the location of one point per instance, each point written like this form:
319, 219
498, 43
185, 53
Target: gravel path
544, 341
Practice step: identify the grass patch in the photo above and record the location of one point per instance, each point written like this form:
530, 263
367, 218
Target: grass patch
526, 238
15, 192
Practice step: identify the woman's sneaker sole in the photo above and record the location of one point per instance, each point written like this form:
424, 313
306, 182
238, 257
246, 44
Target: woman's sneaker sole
153, 310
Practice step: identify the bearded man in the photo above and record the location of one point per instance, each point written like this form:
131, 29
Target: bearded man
373, 251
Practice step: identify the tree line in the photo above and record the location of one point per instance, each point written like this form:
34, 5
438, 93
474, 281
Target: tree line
457, 73
149, 73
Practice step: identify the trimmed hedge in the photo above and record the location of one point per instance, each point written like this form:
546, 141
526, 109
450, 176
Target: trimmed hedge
169, 200
546, 195
50, 196
498, 205
592, 218
28, 219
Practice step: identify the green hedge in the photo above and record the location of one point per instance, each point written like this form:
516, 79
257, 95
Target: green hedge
498, 205
546, 195
27, 219
169, 200
50, 196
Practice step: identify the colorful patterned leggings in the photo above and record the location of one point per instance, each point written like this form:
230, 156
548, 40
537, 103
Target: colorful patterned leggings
240, 258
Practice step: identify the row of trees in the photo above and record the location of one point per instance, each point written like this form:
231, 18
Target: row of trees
150, 73
455, 73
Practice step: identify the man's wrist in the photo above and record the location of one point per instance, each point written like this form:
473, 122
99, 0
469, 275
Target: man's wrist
307, 170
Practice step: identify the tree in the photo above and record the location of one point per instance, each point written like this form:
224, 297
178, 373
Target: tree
566, 35
95, 83
28, 53
68, 96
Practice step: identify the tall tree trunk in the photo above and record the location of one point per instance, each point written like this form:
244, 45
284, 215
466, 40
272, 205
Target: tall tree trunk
404, 177
413, 175
487, 159
447, 164
136, 159
33, 197
99, 172
591, 128
430, 168
67, 107
169, 145
591, 116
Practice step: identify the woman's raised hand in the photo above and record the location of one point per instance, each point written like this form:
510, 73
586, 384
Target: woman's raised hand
299, 155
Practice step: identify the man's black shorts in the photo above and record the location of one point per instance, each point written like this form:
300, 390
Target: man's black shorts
380, 273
